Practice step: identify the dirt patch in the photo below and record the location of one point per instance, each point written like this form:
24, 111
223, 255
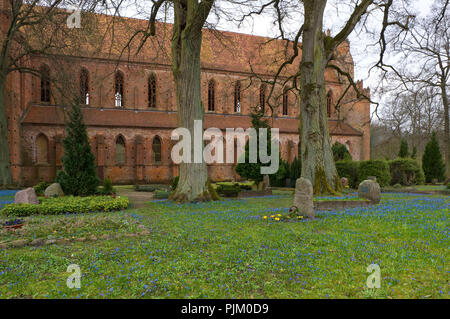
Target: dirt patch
137, 199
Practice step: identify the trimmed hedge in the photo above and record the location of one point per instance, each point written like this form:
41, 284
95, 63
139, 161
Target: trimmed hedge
377, 168
242, 186
349, 169
228, 190
67, 205
406, 171
161, 194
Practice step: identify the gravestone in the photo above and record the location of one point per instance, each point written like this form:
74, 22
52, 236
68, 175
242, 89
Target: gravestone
26, 196
372, 178
303, 197
54, 190
344, 181
370, 190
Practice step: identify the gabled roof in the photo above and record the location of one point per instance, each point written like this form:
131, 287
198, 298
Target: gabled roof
338, 127
108, 37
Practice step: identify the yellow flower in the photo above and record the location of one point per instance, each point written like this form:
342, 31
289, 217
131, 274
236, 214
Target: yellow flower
279, 215
272, 216
265, 217
277, 219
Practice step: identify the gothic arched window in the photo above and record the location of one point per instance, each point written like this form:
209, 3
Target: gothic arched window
237, 97
118, 90
329, 103
152, 91
84, 86
262, 97
285, 101
211, 95
120, 150
45, 83
156, 148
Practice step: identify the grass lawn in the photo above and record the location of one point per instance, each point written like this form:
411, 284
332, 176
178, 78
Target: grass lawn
225, 250
430, 187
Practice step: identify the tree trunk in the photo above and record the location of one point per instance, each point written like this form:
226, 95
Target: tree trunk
446, 128
193, 184
5, 164
318, 163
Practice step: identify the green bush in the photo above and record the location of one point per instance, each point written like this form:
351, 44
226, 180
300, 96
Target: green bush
146, 188
242, 186
405, 171
108, 188
150, 187
279, 178
228, 190
295, 170
349, 169
448, 186
161, 194
378, 168
67, 205
340, 152
245, 187
40, 188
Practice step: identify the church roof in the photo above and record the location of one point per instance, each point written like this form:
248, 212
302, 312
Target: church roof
108, 37
339, 127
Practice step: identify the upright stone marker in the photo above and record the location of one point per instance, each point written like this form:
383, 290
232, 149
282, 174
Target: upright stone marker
26, 196
303, 197
370, 190
54, 190
344, 181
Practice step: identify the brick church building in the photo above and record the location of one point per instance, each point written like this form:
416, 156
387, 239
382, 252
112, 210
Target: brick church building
129, 102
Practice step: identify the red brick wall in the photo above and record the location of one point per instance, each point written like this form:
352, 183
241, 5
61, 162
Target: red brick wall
27, 118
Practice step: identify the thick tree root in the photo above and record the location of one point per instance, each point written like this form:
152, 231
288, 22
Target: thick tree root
208, 195
321, 185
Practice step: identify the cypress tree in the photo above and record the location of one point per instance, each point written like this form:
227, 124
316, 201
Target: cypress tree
253, 170
78, 176
432, 162
403, 153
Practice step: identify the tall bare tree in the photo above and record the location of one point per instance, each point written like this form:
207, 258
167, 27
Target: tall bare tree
21, 24
317, 50
425, 56
189, 19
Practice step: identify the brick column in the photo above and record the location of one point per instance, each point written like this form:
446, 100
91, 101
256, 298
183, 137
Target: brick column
100, 155
139, 158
